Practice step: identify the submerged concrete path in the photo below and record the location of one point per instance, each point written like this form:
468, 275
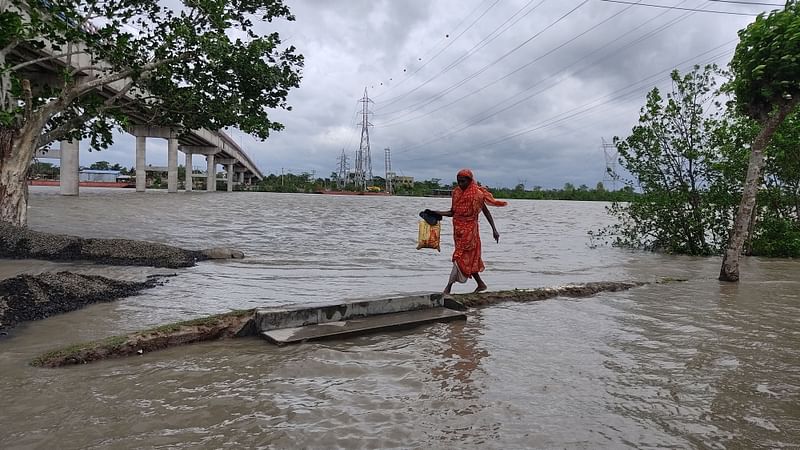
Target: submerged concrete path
244, 323
292, 325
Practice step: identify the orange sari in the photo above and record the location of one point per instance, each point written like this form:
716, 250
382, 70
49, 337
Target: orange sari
467, 205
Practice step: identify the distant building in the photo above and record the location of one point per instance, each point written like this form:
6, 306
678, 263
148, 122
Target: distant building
109, 176
402, 181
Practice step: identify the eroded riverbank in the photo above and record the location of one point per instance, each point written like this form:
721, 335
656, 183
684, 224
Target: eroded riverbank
35, 297
27, 297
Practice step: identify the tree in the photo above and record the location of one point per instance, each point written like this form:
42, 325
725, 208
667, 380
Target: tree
100, 165
201, 64
766, 83
672, 156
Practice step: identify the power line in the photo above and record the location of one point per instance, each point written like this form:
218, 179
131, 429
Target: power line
428, 60
354, 123
483, 42
633, 88
489, 38
395, 99
493, 63
634, 92
682, 9
509, 74
474, 120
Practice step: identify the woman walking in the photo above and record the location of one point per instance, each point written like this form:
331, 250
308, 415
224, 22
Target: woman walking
468, 200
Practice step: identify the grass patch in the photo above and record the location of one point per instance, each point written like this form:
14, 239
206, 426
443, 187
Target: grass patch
116, 344
199, 322
74, 350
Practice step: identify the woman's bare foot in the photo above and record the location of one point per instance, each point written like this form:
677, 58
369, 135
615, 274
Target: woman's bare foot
481, 285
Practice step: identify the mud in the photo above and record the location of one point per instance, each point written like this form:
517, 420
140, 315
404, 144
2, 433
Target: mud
481, 299
233, 324
35, 297
18, 243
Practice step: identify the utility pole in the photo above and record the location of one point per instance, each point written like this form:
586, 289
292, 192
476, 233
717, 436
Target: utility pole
387, 164
341, 180
610, 154
363, 172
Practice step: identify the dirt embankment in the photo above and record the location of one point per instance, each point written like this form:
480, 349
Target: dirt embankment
241, 323
18, 242
233, 324
532, 295
35, 297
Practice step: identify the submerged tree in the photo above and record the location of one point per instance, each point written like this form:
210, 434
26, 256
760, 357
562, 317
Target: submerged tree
766, 83
69, 69
674, 163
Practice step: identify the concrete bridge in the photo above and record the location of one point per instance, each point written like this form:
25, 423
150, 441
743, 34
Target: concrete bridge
216, 146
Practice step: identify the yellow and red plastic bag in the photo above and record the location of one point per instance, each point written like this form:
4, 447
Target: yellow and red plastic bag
429, 235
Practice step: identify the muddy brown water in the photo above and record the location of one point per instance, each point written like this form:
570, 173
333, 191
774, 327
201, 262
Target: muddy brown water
698, 364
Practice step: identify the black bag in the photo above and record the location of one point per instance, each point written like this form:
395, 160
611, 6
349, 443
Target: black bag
432, 217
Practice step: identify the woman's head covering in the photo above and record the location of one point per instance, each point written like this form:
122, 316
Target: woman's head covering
487, 196
465, 173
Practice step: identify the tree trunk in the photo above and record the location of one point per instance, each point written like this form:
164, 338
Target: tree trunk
730, 262
17, 147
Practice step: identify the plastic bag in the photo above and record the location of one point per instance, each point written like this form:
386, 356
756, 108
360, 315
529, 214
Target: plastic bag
429, 235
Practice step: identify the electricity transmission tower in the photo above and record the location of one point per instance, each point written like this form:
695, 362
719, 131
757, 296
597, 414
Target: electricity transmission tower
363, 172
610, 153
387, 164
343, 169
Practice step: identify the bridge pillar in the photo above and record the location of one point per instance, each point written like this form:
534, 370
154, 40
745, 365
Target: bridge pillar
231, 176
211, 181
241, 177
141, 163
172, 164
70, 158
188, 180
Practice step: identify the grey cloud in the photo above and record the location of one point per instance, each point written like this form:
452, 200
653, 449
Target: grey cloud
601, 85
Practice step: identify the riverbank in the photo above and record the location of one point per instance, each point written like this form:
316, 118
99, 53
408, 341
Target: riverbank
34, 297
22, 243
27, 297
240, 324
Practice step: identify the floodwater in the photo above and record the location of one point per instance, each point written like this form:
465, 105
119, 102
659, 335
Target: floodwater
694, 364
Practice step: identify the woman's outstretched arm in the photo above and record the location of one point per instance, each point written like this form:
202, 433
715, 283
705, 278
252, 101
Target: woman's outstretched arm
489, 217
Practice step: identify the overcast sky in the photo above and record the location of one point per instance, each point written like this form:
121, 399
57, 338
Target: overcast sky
519, 91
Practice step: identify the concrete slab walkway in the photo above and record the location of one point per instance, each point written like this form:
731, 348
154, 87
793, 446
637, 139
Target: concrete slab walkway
291, 325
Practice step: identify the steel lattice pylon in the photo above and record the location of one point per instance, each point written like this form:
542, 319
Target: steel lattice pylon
363, 169
610, 153
387, 164
343, 169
